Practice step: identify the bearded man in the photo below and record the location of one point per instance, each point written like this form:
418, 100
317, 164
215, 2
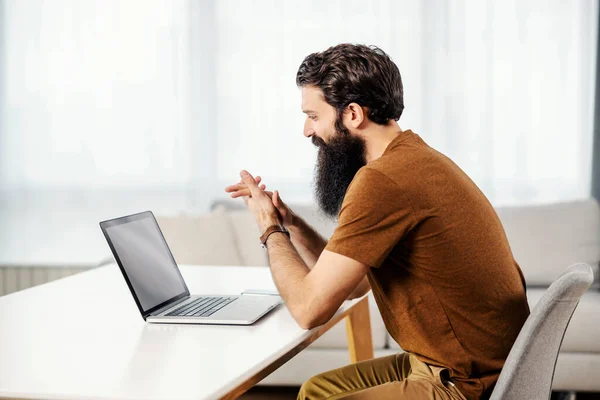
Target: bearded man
412, 227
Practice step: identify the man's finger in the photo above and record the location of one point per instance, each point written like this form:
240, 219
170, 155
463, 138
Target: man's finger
236, 187
241, 188
279, 205
240, 193
241, 184
249, 181
274, 199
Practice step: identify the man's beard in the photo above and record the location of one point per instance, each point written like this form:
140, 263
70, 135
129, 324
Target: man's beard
337, 163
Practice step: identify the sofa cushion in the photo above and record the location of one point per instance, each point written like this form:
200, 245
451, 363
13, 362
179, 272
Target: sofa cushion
200, 239
246, 236
336, 337
581, 334
545, 239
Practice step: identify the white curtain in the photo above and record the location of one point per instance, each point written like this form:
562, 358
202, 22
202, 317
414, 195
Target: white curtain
183, 94
96, 93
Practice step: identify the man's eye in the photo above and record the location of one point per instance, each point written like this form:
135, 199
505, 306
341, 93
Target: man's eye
312, 117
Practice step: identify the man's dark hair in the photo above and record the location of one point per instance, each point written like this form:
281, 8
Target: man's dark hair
350, 73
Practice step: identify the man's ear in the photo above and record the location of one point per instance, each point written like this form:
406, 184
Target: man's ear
354, 115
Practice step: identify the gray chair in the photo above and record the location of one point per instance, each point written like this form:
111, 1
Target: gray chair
529, 368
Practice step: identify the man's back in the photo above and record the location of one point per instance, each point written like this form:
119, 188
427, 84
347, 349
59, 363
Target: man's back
443, 275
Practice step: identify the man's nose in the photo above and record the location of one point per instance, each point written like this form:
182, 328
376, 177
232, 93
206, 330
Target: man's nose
308, 130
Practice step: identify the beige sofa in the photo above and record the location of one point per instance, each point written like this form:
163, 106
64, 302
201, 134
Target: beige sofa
544, 239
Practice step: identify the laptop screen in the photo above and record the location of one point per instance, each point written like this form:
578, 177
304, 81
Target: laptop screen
145, 258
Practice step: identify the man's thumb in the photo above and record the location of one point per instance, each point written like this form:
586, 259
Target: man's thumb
277, 201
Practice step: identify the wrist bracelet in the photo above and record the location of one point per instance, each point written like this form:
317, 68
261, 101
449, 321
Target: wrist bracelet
270, 230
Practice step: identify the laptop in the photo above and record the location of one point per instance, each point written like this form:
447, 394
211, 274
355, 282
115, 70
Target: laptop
154, 279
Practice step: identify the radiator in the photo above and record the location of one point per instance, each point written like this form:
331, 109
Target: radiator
13, 279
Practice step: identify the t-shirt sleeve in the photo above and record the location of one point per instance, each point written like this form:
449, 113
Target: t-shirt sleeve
375, 215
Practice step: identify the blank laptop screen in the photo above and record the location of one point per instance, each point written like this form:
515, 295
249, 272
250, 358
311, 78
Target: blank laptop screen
147, 261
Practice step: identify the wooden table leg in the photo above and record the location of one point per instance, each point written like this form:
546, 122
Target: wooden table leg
358, 329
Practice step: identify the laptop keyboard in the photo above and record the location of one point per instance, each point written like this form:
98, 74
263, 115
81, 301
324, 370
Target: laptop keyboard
202, 307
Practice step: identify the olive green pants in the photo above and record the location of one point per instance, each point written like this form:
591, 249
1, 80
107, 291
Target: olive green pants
399, 376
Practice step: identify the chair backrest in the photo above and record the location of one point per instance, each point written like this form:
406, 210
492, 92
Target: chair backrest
529, 368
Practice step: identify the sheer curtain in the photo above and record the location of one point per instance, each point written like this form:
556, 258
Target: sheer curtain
96, 93
181, 95
503, 88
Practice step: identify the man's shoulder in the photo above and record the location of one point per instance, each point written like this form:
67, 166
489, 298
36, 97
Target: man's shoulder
370, 186
382, 172
408, 169
374, 175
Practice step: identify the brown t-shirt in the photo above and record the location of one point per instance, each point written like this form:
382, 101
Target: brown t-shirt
443, 274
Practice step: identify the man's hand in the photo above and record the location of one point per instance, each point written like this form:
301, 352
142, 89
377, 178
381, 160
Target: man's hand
286, 215
259, 202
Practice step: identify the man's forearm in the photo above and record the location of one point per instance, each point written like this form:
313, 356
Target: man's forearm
288, 271
309, 245
307, 241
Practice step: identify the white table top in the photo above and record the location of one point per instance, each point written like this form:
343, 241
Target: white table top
83, 337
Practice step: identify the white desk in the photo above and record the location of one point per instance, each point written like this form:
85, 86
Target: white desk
83, 337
